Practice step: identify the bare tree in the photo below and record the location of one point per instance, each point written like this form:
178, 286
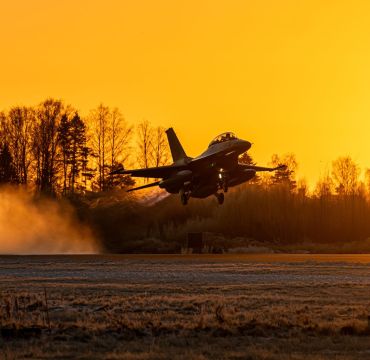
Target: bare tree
45, 144
160, 150
324, 187
99, 127
119, 138
367, 181
302, 188
145, 144
3, 127
21, 122
345, 174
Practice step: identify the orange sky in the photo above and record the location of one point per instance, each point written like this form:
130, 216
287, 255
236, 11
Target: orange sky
289, 76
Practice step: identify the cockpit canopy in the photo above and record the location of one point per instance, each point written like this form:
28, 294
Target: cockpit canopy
227, 136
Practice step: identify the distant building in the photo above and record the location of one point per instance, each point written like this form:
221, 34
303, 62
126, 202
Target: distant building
200, 243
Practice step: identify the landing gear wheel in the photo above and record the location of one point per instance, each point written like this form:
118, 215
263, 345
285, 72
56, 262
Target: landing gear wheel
225, 187
220, 198
184, 199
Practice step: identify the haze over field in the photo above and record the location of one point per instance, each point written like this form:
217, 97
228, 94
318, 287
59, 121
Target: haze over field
31, 226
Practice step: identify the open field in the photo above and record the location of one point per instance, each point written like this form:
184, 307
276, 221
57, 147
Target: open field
269, 306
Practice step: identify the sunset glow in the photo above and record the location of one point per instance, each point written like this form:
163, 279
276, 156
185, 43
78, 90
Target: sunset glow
289, 76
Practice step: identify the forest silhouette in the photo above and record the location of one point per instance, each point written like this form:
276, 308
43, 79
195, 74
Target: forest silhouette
51, 151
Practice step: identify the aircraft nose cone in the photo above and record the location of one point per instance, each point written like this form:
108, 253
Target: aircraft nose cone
246, 145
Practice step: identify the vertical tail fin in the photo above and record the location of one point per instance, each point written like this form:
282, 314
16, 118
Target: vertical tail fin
177, 151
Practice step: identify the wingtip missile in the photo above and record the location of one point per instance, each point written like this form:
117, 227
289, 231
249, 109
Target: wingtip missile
281, 167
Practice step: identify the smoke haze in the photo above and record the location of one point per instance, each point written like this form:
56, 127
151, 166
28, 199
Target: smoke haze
42, 226
151, 197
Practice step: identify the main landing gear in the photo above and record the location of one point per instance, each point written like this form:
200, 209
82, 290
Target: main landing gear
223, 186
220, 198
184, 197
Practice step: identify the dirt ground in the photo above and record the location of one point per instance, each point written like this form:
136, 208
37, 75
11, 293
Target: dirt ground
271, 306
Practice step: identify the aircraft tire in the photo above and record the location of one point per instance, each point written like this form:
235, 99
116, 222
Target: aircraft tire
221, 198
184, 199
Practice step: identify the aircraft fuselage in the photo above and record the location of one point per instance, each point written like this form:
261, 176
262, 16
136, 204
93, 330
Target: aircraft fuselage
210, 173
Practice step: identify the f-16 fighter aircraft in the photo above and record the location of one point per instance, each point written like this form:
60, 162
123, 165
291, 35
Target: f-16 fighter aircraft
211, 173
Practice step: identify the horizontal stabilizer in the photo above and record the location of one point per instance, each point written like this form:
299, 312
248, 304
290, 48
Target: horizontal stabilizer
144, 186
154, 172
117, 170
261, 168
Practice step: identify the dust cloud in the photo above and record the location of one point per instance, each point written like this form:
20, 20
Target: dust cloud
151, 197
40, 226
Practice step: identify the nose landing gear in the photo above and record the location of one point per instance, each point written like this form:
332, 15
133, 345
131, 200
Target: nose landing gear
220, 198
184, 199
222, 181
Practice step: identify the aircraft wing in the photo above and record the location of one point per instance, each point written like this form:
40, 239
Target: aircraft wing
154, 172
261, 168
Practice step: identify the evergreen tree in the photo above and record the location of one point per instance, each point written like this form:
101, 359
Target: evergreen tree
246, 159
65, 147
7, 173
119, 180
285, 176
74, 152
78, 150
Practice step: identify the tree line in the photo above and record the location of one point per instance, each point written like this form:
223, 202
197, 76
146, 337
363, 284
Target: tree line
274, 209
53, 150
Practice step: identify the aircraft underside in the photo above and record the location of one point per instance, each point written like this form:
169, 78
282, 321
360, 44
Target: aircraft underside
214, 183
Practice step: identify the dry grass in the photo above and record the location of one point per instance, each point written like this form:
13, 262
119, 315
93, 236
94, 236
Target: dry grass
141, 308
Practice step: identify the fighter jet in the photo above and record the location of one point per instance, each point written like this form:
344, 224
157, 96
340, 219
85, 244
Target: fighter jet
211, 173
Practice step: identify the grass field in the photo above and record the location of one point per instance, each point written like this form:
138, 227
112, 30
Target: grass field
185, 307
